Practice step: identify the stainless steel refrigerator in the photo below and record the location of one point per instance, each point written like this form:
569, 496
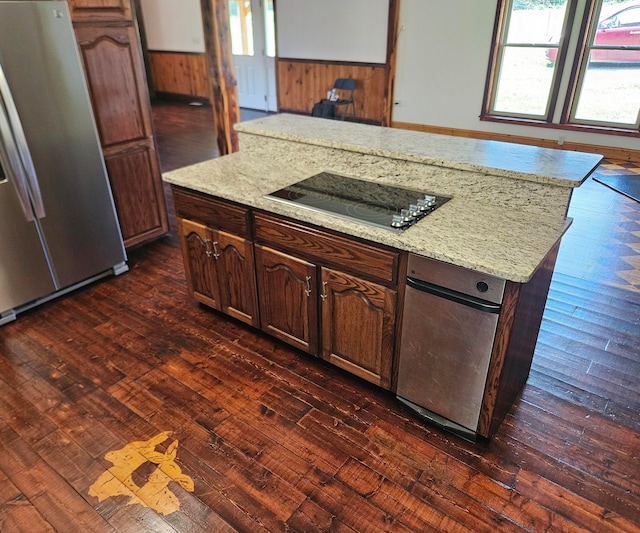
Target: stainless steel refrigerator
58, 226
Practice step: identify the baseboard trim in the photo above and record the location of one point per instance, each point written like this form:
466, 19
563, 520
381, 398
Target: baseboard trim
620, 154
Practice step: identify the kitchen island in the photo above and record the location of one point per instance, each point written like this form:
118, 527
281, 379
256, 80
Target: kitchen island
335, 287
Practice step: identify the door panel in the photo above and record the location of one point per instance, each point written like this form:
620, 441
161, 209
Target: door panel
358, 320
237, 276
136, 192
95, 10
118, 99
199, 263
24, 273
253, 56
288, 299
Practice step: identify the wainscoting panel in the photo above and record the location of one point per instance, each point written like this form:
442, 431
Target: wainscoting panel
177, 73
302, 83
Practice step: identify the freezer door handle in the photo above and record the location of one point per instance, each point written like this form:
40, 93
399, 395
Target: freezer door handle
20, 160
454, 296
10, 159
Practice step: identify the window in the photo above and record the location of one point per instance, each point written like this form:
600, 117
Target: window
567, 62
241, 27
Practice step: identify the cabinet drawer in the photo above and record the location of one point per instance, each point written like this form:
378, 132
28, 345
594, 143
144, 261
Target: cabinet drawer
328, 248
215, 213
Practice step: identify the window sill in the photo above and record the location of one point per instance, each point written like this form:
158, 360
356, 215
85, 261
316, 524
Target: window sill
568, 127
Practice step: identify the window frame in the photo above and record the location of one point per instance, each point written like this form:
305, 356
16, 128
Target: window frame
586, 30
499, 44
587, 44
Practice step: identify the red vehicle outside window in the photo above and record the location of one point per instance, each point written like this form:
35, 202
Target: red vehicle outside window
621, 30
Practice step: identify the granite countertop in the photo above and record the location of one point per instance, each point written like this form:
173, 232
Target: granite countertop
517, 161
508, 239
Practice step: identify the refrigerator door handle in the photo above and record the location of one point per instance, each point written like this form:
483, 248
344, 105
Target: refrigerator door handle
25, 172
13, 165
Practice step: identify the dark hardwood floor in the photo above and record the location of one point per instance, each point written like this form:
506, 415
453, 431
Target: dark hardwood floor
261, 438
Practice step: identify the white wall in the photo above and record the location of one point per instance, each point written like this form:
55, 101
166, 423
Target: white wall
333, 30
173, 25
442, 60
442, 57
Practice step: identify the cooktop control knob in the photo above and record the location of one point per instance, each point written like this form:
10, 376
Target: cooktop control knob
422, 205
406, 216
397, 221
429, 200
413, 210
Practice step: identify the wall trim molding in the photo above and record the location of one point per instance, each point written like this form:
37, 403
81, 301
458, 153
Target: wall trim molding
621, 154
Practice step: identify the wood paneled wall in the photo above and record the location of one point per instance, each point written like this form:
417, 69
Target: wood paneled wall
179, 73
302, 83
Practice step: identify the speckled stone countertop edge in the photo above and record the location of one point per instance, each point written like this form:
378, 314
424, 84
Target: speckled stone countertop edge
325, 134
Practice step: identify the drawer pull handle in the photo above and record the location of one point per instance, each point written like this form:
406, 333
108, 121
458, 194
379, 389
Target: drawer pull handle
307, 291
324, 291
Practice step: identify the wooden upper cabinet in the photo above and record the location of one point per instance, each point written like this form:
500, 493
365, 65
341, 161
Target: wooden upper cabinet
115, 75
99, 10
358, 326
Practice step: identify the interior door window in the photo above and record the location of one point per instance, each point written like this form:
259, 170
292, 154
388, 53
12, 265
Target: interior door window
241, 25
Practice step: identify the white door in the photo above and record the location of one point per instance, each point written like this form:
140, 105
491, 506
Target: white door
253, 46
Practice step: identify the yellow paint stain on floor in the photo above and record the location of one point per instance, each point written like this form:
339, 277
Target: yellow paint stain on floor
155, 493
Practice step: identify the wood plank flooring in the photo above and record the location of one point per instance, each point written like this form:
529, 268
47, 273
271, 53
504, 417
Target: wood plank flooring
276, 441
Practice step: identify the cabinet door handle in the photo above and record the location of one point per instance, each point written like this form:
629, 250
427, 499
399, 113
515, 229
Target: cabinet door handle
307, 291
324, 291
216, 254
207, 244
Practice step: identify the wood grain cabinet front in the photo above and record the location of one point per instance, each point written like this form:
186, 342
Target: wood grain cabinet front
288, 298
219, 268
329, 295
358, 325
99, 10
110, 50
346, 320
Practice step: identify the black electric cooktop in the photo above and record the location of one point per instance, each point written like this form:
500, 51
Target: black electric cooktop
375, 204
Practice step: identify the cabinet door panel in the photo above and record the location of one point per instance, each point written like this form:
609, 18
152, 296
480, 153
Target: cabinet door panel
199, 263
358, 320
288, 299
137, 194
237, 276
114, 71
99, 10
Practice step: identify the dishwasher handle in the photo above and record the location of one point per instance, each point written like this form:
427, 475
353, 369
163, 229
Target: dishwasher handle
454, 296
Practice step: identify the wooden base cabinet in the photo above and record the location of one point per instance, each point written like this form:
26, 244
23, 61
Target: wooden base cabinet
355, 321
338, 297
327, 294
358, 325
308, 298
219, 268
288, 296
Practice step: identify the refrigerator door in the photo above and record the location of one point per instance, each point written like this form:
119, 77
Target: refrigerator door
24, 271
39, 55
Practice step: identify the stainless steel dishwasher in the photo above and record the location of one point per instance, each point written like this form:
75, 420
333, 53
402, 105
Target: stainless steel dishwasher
449, 325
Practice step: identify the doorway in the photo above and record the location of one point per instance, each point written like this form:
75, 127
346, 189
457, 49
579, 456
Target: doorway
252, 25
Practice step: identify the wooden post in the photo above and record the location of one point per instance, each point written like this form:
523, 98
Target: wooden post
222, 77
390, 67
